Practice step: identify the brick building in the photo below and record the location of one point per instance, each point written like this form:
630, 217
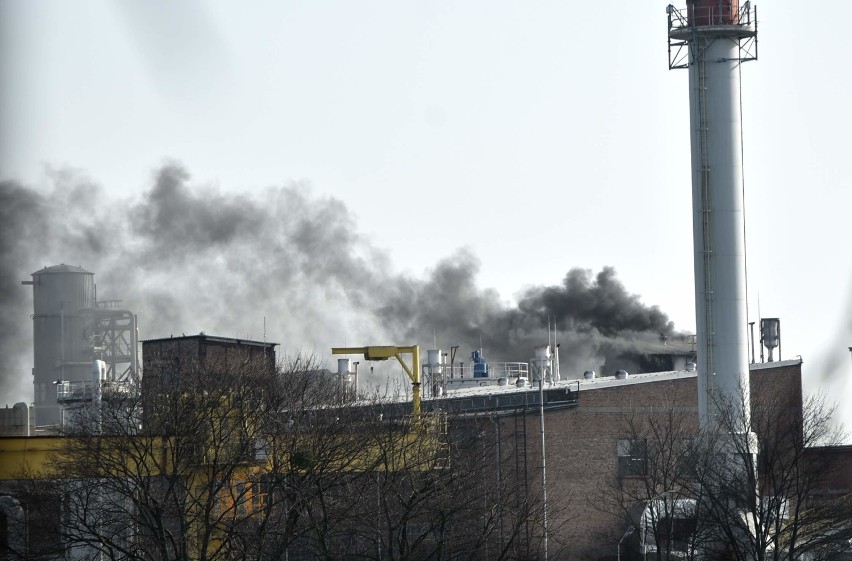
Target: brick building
587, 440
173, 352
588, 449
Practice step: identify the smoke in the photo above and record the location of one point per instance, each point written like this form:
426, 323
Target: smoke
833, 364
20, 214
597, 321
188, 258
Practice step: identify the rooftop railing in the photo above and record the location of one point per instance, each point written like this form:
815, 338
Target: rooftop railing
701, 14
84, 390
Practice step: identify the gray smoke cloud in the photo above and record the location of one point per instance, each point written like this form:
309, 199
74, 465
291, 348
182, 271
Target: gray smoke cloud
20, 214
597, 321
832, 363
188, 258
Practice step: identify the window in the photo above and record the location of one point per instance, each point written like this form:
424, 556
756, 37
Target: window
632, 457
259, 495
241, 498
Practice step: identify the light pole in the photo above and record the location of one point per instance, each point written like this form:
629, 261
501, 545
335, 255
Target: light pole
627, 532
355, 384
542, 368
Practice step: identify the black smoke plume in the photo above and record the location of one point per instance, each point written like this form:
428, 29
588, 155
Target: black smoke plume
189, 258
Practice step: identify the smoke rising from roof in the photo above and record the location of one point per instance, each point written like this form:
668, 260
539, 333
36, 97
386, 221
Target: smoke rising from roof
189, 258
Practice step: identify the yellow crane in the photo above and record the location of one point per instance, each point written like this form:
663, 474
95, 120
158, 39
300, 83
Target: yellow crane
386, 352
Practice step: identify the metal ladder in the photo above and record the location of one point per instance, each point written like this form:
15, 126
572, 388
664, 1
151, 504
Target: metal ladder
701, 46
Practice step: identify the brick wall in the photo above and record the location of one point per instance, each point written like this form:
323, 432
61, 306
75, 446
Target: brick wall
582, 459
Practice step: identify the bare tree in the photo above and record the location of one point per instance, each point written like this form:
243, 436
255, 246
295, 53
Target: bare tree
764, 496
200, 465
230, 459
749, 487
652, 490
462, 503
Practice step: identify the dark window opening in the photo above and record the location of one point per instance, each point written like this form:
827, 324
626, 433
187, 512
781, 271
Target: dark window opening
632, 457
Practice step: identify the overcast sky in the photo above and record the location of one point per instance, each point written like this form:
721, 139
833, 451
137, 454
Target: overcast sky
539, 135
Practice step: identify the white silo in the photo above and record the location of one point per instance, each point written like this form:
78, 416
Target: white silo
712, 38
61, 349
70, 330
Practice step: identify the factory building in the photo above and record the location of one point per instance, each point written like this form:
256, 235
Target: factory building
565, 439
572, 441
587, 441
581, 434
190, 349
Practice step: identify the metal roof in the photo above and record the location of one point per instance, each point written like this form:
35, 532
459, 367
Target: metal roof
63, 268
601, 382
776, 364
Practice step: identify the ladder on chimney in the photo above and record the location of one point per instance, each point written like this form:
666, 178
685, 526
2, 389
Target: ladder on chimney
708, 261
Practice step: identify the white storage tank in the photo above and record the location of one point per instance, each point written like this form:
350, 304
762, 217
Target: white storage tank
343, 367
433, 360
16, 420
61, 349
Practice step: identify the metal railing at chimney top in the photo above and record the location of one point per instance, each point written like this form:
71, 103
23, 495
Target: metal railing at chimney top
719, 13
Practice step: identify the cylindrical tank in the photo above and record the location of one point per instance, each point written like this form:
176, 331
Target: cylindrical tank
771, 332
621, 374
99, 374
770, 336
589, 374
61, 349
480, 366
15, 421
61, 285
542, 351
99, 371
433, 361
343, 366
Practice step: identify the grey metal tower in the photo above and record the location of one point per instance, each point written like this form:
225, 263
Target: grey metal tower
70, 331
